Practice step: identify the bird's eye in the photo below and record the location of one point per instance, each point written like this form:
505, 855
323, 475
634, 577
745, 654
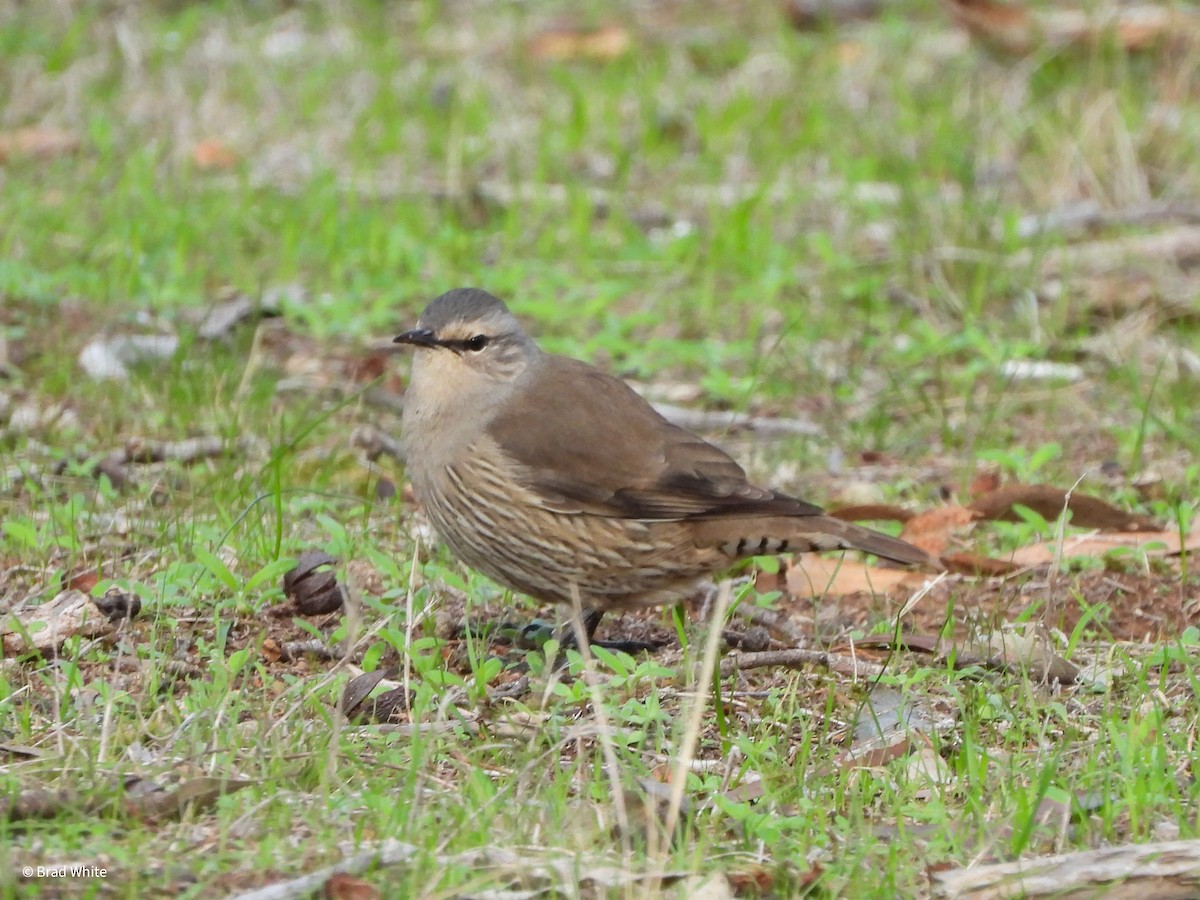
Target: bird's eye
477, 343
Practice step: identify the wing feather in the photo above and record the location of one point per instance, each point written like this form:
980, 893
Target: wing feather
588, 443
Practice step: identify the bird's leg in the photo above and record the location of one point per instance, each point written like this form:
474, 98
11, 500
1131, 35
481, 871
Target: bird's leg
590, 618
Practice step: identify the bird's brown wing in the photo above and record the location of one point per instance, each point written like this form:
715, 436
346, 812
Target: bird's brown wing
588, 443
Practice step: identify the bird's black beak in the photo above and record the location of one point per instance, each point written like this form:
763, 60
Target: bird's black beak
418, 337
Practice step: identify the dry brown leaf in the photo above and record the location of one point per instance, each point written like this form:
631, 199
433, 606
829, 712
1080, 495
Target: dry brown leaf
343, 886
931, 529
1152, 543
83, 581
1048, 502
767, 879
983, 482
270, 650
37, 143
213, 155
924, 643
981, 566
1012, 28
811, 15
1004, 26
567, 43
1146, 26
828, 576
874, 755
765, 582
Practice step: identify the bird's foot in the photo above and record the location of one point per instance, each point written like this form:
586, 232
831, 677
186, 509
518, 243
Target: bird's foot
630, 647
534, 635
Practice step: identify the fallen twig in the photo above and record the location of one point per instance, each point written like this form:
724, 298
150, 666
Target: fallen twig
1087, 215
795, 658
549, 872
1165, 869
1004, 651
513, 691
290, 651
142, 451
812, 15
220, 320
375, 442
504, 193
1179, 245
724, 420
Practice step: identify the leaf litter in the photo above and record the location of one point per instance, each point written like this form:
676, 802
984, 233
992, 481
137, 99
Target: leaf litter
902, 748
1144, 603
1018, 28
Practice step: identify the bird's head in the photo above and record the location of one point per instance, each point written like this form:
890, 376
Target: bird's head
467, 342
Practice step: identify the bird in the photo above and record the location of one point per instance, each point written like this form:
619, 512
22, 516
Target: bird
557, 480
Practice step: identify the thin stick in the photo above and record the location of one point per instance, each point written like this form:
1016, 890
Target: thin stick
603, 729
409, 624
796, 658
691, 733
1060, 537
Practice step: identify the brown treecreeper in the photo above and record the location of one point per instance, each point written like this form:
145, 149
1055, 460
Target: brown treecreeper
557, 480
